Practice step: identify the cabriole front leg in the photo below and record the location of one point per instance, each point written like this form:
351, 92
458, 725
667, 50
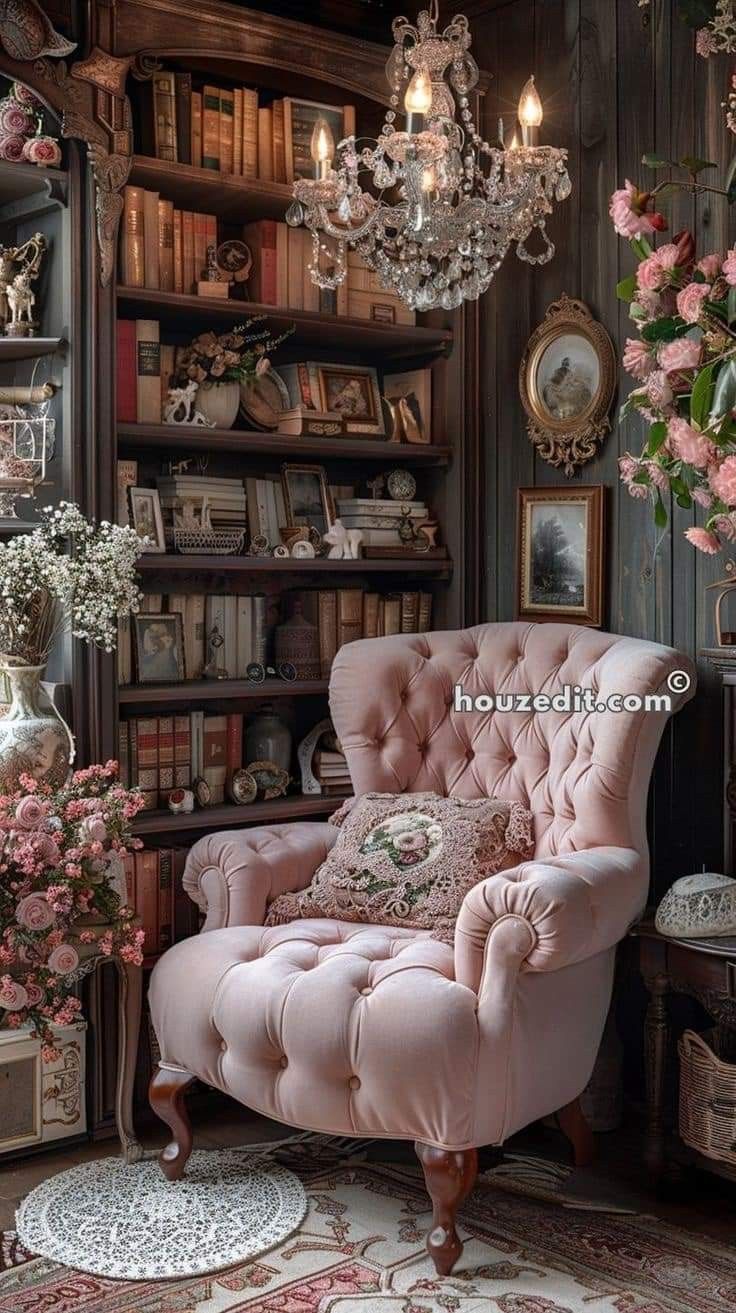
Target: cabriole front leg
449, 1176
166, 1097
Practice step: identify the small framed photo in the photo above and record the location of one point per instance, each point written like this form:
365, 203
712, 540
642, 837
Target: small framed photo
352, 392
300, 118
307, 496
159, 648
560, 554
146, 518
410, 397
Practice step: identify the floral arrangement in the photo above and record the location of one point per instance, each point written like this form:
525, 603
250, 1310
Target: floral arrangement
21, 129
44, 586
231, 357
684, 361
61, 871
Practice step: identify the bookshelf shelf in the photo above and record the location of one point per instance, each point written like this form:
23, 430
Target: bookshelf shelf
219, 690
27, 348
337, 332
161, 437
227, 195
158, 564
254, 813
29, 192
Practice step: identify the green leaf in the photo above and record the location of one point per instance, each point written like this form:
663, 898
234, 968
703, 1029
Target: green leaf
662, 330
700, 398
660, 514
698, 276
657, 435
724, 393
679, 487
694, 164
626, 289
685, 501
655, 161
641, 247
731, 305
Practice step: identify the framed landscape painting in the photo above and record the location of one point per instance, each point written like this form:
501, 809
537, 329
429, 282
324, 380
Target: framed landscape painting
560, 554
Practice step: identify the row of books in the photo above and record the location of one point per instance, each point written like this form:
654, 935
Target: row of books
246, 624
161, 247
167, 914
161, 753
226, 129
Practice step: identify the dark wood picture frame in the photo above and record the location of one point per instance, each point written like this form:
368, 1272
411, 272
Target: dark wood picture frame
589, 609
316, 471
169, 620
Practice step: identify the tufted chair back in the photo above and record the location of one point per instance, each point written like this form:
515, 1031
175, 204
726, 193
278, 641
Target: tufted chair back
583, 774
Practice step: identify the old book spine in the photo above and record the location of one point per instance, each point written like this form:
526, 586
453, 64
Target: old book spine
197, 129
148, 371
178, 253
133, 755
148, 758
166, 245
186, 912
260, 628
124, 753
327, 613
126, 394
265, 144
244, 627
151, 239
238, 132
164, 106
424, 620
370, 615
182, 753
195, 636
187, 250
165, 758
250, 133
310, 290
165, 899
129, 868
183, 88
234, 743
296, 269
211, 128
200, 246
196, 731
210, 231
279, 156
409, 612
226, 130
392, 614
146, 890
214, 768
133, 238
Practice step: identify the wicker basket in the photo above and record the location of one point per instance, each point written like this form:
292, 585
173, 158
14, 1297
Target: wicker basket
707, 1100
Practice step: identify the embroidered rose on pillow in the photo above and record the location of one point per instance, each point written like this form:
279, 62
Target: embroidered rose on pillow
409, 860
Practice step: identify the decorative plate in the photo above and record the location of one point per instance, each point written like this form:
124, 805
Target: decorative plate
271, 780
243, 787
262, 399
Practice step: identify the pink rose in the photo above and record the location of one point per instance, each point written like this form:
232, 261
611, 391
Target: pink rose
724, 525
13, 997
703, 498
29, 813
710, 265
15, 121
703, 540
651, 275
687, 444
42, 150
34, 995
669, 255
47, 851
627, 209
637, 358
723, 481
63, 960
729, 268
683, 353
690, 301
34, 913
93, 830
11, 147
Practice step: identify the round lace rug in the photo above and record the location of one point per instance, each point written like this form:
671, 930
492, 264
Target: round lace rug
130, 1222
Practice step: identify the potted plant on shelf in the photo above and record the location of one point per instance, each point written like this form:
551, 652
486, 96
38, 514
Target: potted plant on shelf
222, 364
68, 573
62, 896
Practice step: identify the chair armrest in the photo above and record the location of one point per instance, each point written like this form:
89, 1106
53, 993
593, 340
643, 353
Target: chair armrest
558, 911
234, 875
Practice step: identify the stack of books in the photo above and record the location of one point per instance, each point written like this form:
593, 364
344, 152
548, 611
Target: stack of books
228, 130
161, 753
156, 893
185, 495
162, 247
331, 769
378, 520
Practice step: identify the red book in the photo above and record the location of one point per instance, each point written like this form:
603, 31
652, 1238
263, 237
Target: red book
165, 758
261, 238
234, 743
146, 896
127, 370
165, 898
129, 867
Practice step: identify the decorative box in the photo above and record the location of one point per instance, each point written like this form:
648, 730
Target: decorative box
41, 1101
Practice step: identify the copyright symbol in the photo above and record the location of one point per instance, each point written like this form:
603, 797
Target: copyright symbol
678, 681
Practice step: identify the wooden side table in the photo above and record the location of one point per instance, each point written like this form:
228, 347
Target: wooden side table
704, 969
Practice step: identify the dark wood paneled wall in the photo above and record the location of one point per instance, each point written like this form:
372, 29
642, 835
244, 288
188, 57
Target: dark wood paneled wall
614, 84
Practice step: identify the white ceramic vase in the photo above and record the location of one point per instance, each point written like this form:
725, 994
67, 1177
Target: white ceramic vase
34, 739
219, 403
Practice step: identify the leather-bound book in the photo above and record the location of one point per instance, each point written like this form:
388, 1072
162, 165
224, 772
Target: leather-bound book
250, 133
392, 614
200, 246
409, 613
227, 111
370, 615
187, 251
164, 116
214, 751
349, 615
196, 150
124, 754
265, 144
238, 132
133, 264
182, 753
425, 613
147, 738
186, 912
296, 268
126, 395
263, 282
166, 245
234, 742
211, 128
178, 253
327, 630
165, 758
279, 150
165, 899
146, 897
148, 371
151, 239
183, 93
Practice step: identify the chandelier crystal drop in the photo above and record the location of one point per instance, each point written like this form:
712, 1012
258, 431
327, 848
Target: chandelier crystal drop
444, 206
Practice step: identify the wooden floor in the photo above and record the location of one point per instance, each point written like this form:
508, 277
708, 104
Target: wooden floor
699, 1202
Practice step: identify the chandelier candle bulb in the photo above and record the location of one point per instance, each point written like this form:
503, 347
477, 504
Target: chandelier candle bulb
530, 113
322, 149
418, 101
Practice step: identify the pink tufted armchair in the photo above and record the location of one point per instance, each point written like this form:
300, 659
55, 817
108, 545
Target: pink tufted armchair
367, 1030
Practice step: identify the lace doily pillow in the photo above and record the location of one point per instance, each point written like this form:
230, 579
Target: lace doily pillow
409, 859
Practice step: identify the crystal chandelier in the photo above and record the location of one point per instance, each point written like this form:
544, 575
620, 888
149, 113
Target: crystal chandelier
444, 205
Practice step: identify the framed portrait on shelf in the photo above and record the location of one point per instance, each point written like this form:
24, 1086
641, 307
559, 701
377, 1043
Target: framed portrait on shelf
560, 554
352, 392
567, 381
307, 496
300, 119
159, 648
146, 518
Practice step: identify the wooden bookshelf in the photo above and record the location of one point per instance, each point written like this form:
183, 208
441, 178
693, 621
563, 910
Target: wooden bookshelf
160, 563
195, 691
247, 442
291, 808
13, 349
233, 199
30, 192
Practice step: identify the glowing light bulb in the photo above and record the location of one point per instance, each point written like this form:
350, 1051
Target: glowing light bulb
429, 180
322, 148
418, 100
530, 113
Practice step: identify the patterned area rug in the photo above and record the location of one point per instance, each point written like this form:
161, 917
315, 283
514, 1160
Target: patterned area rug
360, 1249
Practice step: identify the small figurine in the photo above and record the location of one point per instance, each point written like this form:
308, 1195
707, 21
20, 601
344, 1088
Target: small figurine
213, 669
344, 543
212, 273
16, 294
377, 486
180, 409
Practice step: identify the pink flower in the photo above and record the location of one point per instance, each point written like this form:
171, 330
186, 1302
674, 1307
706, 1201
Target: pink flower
93, 830
659, 389
15, 120
35, 995
657, 475
724, 526
63, 960
729, 268
702, 497
650, 303
723, 480
49, 1053
710, 265
687, 444
703, 540
25, 96
637, 358
627, 209
13, 997
42, 150
683, 353
11, 148
29, 813
690, 301
34, 913
705, 42
669, 255
651, 274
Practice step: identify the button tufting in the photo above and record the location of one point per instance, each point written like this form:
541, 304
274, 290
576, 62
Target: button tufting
368, 990
469, 754
283, 1060
223, 1047
354, 1083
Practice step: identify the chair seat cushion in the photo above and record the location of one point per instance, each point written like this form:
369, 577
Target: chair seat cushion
349, 1029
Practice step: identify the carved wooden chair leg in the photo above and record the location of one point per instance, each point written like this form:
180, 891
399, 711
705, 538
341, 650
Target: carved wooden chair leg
166, 1097
450, 1176
575, 1126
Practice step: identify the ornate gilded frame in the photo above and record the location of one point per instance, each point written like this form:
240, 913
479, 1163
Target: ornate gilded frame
591, 611
568, 443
